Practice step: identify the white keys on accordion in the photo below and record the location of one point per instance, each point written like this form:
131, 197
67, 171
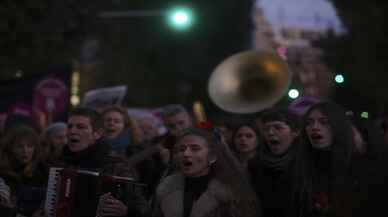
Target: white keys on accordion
52, 191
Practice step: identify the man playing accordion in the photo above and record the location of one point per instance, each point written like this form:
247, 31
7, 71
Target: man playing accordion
85, 152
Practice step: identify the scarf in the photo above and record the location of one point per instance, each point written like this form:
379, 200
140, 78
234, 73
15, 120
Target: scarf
120, 143
194, 188
276, 162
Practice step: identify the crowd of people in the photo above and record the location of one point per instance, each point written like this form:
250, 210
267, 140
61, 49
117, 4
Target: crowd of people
322, 162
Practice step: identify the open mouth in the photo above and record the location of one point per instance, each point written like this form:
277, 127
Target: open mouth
274, 142
316, 137
110, 131
74, 140
187, 164
243, 144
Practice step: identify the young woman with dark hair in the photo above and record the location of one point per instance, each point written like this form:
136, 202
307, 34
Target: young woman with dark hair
22, 168
329, 174
245, 142
210, 182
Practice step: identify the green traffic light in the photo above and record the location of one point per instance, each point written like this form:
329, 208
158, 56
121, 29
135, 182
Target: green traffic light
180, 18
365, 115
339, 79
293, 93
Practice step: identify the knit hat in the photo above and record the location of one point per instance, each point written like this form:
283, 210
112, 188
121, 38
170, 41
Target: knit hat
55, 127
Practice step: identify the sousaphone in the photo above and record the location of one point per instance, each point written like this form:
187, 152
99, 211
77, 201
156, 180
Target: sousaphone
249, 82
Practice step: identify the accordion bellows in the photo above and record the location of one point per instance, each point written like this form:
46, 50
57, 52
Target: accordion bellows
75, 193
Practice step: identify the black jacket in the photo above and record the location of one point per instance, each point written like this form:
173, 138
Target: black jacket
273, 187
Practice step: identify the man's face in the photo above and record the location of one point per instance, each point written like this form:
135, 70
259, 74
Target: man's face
278, 136
114, 124
80, 133
177, 123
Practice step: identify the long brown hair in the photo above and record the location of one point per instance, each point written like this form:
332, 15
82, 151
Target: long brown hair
229, 172
341, 157
12, 136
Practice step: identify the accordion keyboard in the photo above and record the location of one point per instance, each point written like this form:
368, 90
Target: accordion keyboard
52, 191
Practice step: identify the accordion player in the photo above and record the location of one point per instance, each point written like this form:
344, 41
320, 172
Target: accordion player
76, 193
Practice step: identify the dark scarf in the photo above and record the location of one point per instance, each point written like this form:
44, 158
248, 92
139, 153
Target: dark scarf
194, 188
276, 162
276, 182
120, 143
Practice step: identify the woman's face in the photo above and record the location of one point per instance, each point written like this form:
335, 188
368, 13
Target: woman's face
319, 130
245, 140
113, 124
193, 156
23, 150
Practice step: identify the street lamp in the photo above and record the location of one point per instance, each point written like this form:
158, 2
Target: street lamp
179, 18
339, 79
293, 93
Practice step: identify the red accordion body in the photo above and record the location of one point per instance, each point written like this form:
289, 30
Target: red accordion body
75, 193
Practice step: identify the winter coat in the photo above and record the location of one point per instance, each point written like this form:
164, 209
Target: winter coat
27, 190
274, 189
216, 201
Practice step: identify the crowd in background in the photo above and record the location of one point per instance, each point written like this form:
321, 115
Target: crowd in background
320, 162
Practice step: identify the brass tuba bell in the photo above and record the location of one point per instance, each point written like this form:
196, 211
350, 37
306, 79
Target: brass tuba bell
249, 82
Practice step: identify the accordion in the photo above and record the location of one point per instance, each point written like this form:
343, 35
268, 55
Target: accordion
75, 193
